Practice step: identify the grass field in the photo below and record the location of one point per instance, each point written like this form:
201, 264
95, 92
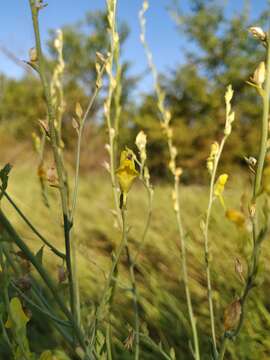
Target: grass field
158, 272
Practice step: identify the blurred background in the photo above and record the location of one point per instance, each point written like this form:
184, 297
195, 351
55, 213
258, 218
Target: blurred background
199, 47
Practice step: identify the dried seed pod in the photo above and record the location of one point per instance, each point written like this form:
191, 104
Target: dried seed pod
232, 315
128, 343
238, 266
52, 176
62, 274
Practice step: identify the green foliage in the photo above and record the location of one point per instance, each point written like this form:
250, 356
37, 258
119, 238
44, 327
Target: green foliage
162, 301
16, 119
17, 321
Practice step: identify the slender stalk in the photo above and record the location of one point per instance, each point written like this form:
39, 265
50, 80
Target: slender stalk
264, 130
80, 133
135, 302
114, 264
37, 307
149, 190
76, 187
154, 346
43, 273
206, 241
32, 227
39, 298
165, 122
112, 121
108, 342
56, 152
34, 261
185, 272
24, 349
113, 127
256, 192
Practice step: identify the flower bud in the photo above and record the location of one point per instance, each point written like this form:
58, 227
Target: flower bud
140, 140
33, 57
259, 74
257, 32
232, 315
236, 216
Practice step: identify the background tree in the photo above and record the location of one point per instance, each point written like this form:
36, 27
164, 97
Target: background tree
218, 52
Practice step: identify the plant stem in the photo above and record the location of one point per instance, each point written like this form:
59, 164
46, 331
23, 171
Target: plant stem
40, 299
113, 131
57, 156
114, 264
206, 241
80, 133
33, 228
148, 220
135, 302
256, 192
185, 272
165, 122
43, 273
76, 187
34, 261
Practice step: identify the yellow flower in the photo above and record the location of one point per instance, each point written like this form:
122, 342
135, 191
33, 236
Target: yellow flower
126, 173
235, 216
18, 319
219, 187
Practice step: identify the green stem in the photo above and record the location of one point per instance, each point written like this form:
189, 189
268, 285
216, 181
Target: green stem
37, 307
148, 220
256, 192
223, 347
57, 154
165, 115
185, 272
154, 346
78, 151
135, 301
34, 261
75, 191
206, 242
114, 264
108, 342
43, 273
32, 227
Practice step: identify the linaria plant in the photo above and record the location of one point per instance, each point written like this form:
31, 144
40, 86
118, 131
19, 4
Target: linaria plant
122, 179
216, 192
176, 172
94, 336
68, 323
235, 313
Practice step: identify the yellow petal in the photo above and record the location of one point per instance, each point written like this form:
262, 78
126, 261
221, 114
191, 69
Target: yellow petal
235, 216
126, 173
219, 187
18, 318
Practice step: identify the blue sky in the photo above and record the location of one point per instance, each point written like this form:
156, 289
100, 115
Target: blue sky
16, 32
